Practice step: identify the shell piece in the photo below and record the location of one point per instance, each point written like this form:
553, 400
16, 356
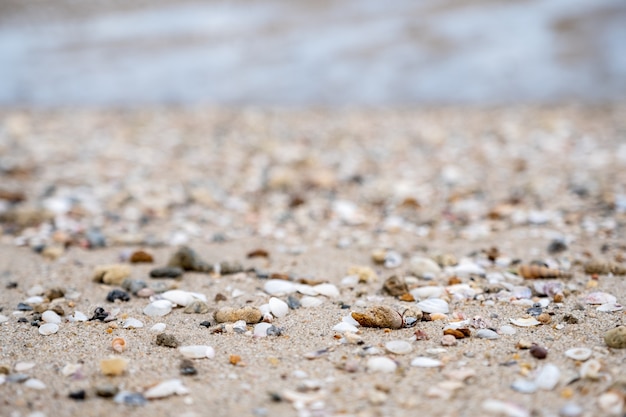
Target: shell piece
487, 334
610, 308
113, 365
429, 291
35, 383
591, 369
434, 305
48, 329
158, 308
399, 347
548, 377
327, 290
279, 287
260, 330
345, 327
182, 298
578, 353
599, 297
503, 408
111, 274
381, 364
166, 389
278, 307
467, 268
526, 322
50, 316
80, 316
540, 272
132, 323
159, 327
426, 362
309, 302
249, 314
379, 316
197, 351
118, 344
612, 402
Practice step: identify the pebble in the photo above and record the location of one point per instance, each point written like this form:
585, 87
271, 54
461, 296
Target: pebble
381, 364
186, 367
487, 334
166, 389
158, 308
25, 307
616, 338
278, 307
279, 287
570, 410
249, 314
448, 340
3, 318
35, 383
166, 272
395, 286
612, 402
24, 366
106, 390
79, 316
525, 322
507, 330
260, 330
134, 285
187, 259
111, 274
113, 365
423, 267
548, 377
345, 327
293, 302
78, 395
50, 316
132, 323
379, 316
140, 256
166, 339
578, 354
538, 352
182, 298
524, 386
411, 316
130, 398
197, 307
399, 347
426, 362
311, 302
48, 329
116, 294
434, 305
327, 290
158, 327
197, 351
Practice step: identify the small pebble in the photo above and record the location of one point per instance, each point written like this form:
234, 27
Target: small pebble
399, 347
158, 308
578, 354
249, 314
166, 339
395, 286
186, 367
293, 302
166, 272
132, 323
538, 352
166, 389
117, 295
111, 274
48, 329
197, 307
106, 390
278, 307
157, 328
381, 364
141, 256
130, 398
113, 365
35, 383
197, 351
448, 340
379, 316
99, 314
426, 362
205, 323
616, 338
260, 330
570, 410
134, 285
50, 316
434, 305
487, 334
24, 307
79, 395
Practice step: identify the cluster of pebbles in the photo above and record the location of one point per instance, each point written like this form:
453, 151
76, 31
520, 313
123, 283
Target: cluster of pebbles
345, 264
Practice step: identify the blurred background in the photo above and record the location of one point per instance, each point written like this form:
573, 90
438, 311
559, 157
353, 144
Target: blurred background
302, 53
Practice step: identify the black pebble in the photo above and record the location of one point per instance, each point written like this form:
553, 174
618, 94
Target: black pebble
78, 395
99, 314
206, 324
187, 368
118, 295
24, 307
11, 285
22, 320
557, 246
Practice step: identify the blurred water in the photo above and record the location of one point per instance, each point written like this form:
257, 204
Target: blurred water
364, 52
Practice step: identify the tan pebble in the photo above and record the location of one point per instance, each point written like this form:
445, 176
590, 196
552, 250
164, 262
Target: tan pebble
141, 256
52, 252
558, 297
448, 340
365, 273
538, 272
544, 318
523, 344
616, 338
145, 292
407, 296
378, 256
111, 274
604, 268
395, 286
113, 365
118, 344
438, 316
379, 316
446, 259
249, 314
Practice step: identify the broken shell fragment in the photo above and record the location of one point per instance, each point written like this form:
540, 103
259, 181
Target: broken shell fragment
434, 305
249, 314
426, 362
379, 316
578, 354
166, 389
526, 322
197, 351
540, 272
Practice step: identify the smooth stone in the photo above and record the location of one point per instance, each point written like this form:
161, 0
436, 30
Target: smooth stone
327, 290
548, 377
487, 334
524, 386
381, 364
166, 389
616, 338
158, 308
132, 323
309, 302
466, 269
578, 354
3, 318
278, 307
504, 408
434, 305
422, 293
570, 410
35, 383
50, 316
166, 272
24, 366
399, 347
345, 327
507, 330
197, 351
157, 328
196, 307
130, 398
48, 329
113, 365
279, 287
249, 314
260, 330
426, 362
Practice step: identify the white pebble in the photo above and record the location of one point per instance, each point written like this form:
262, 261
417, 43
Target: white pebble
487, 334
260, 330
421, 293
399, 347
278, 307
578, 354
548, 377
48, 329
423, 267
466, 269
434, 305
507, 330
35, 384
426, 362
345, 327
158, 308
279, 287
36, 290
524, 386
50, 316
306, 289
132, 323
197, 351
381, 364
350, 281
34, 300
182, 298
570, 410
24, 366
526, 322
308, 302
80, 316
166, 389
327, 290
158, 328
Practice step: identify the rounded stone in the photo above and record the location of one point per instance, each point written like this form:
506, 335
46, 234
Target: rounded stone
616, 338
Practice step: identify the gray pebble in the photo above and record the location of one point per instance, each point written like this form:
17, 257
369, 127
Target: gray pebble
166, 272
197, 307
166, 339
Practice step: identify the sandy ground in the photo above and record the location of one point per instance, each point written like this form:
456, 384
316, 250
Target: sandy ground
319, 190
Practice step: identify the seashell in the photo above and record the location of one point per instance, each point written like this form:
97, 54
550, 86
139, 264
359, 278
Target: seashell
71, 369
111, 274
487, 334
525, 322
461, 291
399, 347
279, 287
132, 323
392, 259
426, 362
35, 383
381, 364
158, 308
365, 273
467, 268
570, 410
24, 366
411, 316
548, 377
80, 316
434, 305
540, 272
34, 300
260, 330
521, 292
182, 298
166, 389
395, 286
327, 290
612, 402
197, 351
504, 408
349, 319
578, 354
113, 365
309, 302
610, 308
159, 327
306, 290
48, 329
422, 293
600, 298
278, 307
423, 267
249, 314
590, 369
446, 259
50, 316
379, 316
350, 281
118, 344
345, 327
604, 268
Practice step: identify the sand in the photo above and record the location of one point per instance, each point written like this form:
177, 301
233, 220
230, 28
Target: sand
319, 190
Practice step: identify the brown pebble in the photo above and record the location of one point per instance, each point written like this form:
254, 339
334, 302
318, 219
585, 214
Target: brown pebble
458, 333
604, 268
544, 318
406, 297
379, 316
540, 272
538, 351
616, 338
570, 319
249, 314
395, 286
54, 293
141, 256
166, 339
220, 297
258, 253
234, 359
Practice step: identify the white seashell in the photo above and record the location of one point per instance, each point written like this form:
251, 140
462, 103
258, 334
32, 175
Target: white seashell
345, 327
350, 281
434, 305
158, 328
610, 307
166, 389
571, 410
197, 351
524, 386
525, 322
48, 329
158, 308
34, 383
548, 377
466, 269
544, 302
265, 309
423, 267
71, 369
421, 293
182, 298
600, 298
327, 290
236, 293
578, 354
278, 307
34, 300
461, 291
80, 316
381, 364
426, 362
260, 330
50, 316
306, 289
590, 369
487, 334
24, 366
132, 323
308, 302
523, 302
350, 320
279, 287
521, 292
503, 408
36, 290
507, 330
399, 347
611, 402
